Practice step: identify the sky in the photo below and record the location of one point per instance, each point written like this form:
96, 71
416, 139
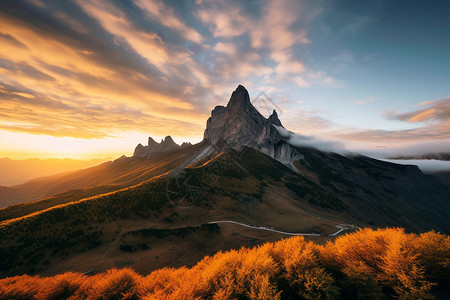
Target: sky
91, 79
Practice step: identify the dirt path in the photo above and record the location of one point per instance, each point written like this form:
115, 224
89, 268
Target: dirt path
341, 228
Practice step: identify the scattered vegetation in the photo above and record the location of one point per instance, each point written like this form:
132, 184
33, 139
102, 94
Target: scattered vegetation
27, 241
133, 240
368, 264
19, 210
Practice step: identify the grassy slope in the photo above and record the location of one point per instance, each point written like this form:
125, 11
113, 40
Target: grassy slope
248, 187
101, 179
228, 191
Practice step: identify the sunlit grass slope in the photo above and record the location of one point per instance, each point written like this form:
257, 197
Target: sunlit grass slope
368, 264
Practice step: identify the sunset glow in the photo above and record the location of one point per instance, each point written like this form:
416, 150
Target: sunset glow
91, 79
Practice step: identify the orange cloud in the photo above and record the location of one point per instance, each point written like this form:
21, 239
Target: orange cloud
439, 111
422, 116
148, 45
54, 86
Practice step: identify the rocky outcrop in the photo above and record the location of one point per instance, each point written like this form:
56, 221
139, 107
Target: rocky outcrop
235, 126
167, 144
240, 124
140, 150
184, 145
152, 143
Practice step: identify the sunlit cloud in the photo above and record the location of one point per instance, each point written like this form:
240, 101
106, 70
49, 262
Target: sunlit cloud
147, 44
99, 70
436, 111
433, 134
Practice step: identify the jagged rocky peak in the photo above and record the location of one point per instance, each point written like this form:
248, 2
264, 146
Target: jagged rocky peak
167, 144
185, 144
167, 140
140, 150
240, 124
151, 142
273, 119
239, 100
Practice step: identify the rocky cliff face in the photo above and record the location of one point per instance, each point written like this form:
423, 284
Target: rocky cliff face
237, 125
167, 144
240, 124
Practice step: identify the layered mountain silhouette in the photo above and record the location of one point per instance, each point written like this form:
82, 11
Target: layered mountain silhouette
146, 209
167, 144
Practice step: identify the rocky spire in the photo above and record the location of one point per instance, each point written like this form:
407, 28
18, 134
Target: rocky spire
185, 144
273, 119
151, 142
167, 144
168, 140
140, 150
240, 124
239, 100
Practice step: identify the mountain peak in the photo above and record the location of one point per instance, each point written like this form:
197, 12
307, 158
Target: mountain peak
167, 144
152, 142
240, 98
273, 119
168, 139
240, 124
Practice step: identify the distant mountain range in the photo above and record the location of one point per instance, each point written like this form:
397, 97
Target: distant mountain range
14, 172
146, 211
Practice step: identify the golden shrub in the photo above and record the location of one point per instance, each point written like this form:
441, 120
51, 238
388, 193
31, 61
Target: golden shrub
368, 264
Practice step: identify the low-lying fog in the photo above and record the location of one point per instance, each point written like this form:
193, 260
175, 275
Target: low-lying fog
426, 165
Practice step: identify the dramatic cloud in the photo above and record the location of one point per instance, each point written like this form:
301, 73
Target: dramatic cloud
434, 116
100, 69
92, 69
433, 111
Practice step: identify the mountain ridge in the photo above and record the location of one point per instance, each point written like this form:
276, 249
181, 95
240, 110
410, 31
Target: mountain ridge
240, 124
224, 177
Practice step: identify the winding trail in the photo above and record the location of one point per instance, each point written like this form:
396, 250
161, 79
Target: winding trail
337, 232
264, 228
341, 227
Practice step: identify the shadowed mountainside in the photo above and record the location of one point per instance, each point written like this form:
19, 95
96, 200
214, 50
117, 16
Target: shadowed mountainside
245, 186
89, 225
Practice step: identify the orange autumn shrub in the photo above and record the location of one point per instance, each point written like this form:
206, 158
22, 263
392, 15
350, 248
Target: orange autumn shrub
247, 273
401, 269
116, 284
379, 261
367, 264
433, 251
64, 286
301, 272
168, 283
20, 287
